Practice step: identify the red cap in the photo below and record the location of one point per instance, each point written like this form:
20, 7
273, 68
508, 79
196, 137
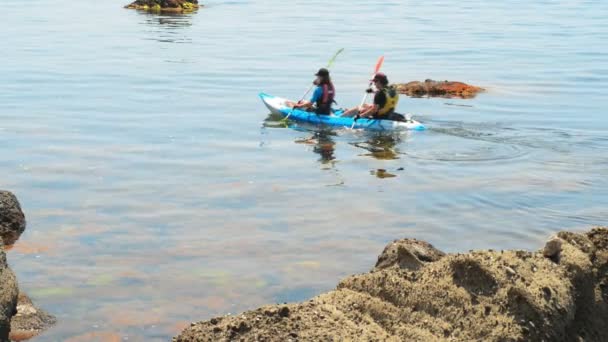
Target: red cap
380, 77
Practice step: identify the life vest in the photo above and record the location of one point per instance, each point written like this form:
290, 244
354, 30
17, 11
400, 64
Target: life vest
323, 105
392, 98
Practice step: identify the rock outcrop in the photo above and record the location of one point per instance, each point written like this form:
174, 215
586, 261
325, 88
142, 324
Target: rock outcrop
19, 318
179, 6
8, 296
29, 320
438, 88
12, 220
417, 293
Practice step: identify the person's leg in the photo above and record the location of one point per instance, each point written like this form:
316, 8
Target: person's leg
356, 110
351, 112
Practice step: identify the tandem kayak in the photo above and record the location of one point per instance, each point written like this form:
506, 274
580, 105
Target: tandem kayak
278, 105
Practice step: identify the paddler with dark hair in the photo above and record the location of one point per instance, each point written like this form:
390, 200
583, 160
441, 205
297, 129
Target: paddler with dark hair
323, 96
385, 102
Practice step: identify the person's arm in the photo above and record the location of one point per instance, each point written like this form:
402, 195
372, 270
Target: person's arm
379, 102
302, 104
316, 95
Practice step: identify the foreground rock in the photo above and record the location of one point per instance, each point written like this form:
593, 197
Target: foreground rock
8, 296
416, 293
438, 88
179, 6
18, 316
29, 320
12, 220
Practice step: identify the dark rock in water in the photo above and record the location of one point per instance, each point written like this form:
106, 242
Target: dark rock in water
179, 6
8, 296
438, 88
12, 220
417, 293
29, 320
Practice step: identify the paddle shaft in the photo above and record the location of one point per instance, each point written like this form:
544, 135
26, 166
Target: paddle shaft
378, 66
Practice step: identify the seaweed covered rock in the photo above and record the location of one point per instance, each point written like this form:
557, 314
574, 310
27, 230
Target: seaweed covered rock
12, 219
438, 88
477, 296
29, 321
8, 296
178, 6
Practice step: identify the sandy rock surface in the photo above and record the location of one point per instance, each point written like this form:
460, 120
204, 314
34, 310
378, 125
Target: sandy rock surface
418, 293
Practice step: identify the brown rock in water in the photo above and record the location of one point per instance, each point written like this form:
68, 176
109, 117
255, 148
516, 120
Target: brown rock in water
8, 296
438, 88
29, 320
12, 220
165, 5
477, 296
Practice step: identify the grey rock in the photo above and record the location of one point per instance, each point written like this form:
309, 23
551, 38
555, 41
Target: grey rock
12, 220
29, 320
8, 296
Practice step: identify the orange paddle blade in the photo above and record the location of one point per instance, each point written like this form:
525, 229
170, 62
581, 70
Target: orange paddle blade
379, 64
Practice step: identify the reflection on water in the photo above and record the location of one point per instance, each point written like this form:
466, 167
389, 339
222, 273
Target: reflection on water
382, 173
382, 145
323, 145
168, 27
275, 121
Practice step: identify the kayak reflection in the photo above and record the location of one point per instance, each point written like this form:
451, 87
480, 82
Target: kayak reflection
322, 144
380, 146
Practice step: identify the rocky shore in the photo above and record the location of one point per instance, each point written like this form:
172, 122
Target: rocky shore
418, 293
19, 318
438, 88
178, 6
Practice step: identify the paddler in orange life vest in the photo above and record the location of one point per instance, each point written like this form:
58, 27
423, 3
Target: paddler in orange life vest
385, 102
323, 96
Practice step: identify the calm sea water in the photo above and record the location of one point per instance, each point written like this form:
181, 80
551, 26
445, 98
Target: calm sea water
157, 194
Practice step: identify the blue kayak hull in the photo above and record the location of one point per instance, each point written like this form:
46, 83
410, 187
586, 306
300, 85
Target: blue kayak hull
279, 106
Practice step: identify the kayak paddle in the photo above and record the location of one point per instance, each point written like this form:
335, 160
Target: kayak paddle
331, 61
378, 66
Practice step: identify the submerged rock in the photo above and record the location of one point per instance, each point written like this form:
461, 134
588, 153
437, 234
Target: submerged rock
438, 88
165, 5
417, 293
8, 296
29, 320
12, 220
